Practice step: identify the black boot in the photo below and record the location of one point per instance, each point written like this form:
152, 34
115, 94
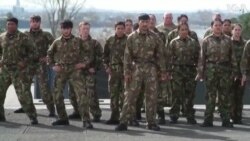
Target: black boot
96, 119
51, 109
87, 125
112, 122
121, 127
138, 115
207, 124
161, 118
191, 121
227, 124
173, 120
33, 121
60, 122
20, 110
153, 127
74, 115
134, 123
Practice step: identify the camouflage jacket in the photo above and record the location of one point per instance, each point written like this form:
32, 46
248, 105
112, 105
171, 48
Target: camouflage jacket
218, 52
238, 47
16, 48
245, 61
42, 41
166, 30
144, 48
183, 52
97, 51
69, 52
114, 51
160, 34
208, 32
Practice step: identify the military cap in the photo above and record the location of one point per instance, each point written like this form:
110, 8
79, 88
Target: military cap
36, 18
67, 24
143, 16
13, 19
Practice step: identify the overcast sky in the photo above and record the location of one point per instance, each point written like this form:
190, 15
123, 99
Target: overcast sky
151, 5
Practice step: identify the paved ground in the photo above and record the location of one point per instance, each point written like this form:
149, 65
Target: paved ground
17, 128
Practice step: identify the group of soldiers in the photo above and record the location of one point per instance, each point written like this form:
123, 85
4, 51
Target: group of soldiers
148, 66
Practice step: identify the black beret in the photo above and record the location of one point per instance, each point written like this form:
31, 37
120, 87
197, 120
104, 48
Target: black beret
143, 17
13, 19
36, 18
67, 24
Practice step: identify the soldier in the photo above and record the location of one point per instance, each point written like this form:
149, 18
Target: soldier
167, 25
143, 59
245, 64
227, 28
17, 55
184, 54
113, 63
69, 56
209, 30
128, 26
236, 101
216, 65
42, 40
84, 29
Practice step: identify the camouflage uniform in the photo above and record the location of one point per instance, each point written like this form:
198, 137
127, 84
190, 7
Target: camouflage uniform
166, 30
66, 53
16, 48
90, 80
209, 31
42, 41
184, 54
142, 61
245, 61
216, 65
113, 59
237, 91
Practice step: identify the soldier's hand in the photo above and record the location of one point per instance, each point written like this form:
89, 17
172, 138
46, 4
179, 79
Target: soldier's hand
127, 78
108, 70
243, 80
80, 66
57, 68
198, 78
21, 65
92, 70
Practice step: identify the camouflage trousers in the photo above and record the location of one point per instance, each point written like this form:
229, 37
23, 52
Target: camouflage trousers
184, 84
42, 74
217, 84
236, 100
95, 109
144, 74
77, 80
164, 96
116, 90
21, 82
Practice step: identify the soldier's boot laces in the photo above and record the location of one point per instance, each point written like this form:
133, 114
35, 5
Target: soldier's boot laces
87, 125
153, 127
121, 127
60, 122
227, 124
74, 115
134, 123
20, 110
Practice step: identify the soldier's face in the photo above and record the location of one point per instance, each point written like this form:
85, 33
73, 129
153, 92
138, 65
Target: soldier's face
66, 32
119, 30
143, 25
168, 19
183, 31
35, 24
217, 27
183, 20
11, 27
128, 27
237, 31
84, 30
152, 22
226, 27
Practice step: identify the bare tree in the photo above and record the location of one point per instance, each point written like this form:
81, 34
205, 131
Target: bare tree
58, 10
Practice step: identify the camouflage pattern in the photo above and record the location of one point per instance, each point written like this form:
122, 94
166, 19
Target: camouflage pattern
143, 60
245, 61
66, 53
90, 80
166, 30
16, 48
209, 31
183, 61
42, 42
113, 59
216, 64
237, 91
